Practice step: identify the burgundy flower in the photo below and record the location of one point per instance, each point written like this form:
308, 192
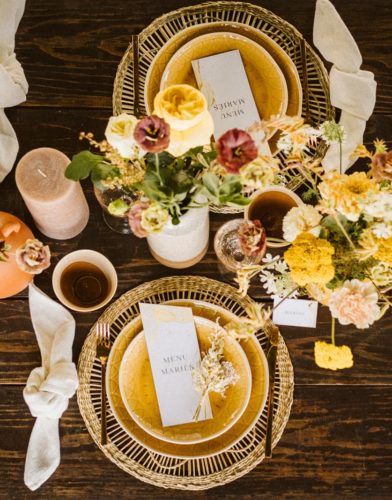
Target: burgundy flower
152, 134
252, 238
382, 166
135, 218
235, 148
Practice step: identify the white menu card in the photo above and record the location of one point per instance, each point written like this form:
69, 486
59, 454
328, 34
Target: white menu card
174, 353
223, 81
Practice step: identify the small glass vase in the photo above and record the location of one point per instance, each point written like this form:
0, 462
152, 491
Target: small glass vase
228, 248
117, 223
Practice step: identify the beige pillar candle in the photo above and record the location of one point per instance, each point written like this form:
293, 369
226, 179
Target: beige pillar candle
57, 204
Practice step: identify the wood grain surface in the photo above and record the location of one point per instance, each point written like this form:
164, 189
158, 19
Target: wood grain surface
337, 443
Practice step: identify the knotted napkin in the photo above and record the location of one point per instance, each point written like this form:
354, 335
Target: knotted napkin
50, 386
352, 89
13, 84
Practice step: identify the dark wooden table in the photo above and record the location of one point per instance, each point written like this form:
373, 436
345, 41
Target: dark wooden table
338, 440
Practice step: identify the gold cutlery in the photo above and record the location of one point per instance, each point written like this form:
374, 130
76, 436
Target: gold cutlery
273, 340
103, 349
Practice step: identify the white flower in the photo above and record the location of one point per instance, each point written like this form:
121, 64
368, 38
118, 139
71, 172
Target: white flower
305, 219
379, 206
268, 258
355, 303
119, 134
382, 230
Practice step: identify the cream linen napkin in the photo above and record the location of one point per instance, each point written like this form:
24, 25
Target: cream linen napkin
13, 84
352, 89
50, 386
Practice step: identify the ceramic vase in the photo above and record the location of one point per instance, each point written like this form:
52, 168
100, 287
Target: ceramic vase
185, 244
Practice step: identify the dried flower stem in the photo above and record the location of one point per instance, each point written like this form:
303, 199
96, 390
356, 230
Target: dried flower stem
336, 217
333, 331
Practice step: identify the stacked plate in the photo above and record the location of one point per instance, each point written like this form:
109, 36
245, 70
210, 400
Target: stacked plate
272, 74
132, 397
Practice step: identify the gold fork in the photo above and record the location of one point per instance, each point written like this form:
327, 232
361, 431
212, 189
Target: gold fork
272, 332
103, 348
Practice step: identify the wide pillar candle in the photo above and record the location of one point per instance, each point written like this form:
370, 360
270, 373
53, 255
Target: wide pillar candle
57, 204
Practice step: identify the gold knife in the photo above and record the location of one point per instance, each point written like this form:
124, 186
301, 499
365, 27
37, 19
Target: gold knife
273, 336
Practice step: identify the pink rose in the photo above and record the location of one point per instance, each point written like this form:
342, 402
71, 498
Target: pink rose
135, 218
33, 257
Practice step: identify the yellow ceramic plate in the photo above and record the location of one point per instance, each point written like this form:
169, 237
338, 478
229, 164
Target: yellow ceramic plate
266, 79
158, 65
139, 396
258, 366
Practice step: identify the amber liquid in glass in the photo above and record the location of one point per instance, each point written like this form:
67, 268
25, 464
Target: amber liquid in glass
84, 284
270, 208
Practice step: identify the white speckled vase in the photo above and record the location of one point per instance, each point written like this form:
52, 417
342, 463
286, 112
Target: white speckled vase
185, 244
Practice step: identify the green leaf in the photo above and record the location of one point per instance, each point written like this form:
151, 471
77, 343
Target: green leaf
118, 207
82, 165
211, 182
103, 171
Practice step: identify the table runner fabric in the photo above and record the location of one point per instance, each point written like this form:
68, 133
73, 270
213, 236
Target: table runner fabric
13, 84
49, 386
352, 89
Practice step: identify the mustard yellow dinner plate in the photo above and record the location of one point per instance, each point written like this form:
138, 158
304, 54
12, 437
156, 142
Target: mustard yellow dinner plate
289, 70
138, 390
259, 370
266, 79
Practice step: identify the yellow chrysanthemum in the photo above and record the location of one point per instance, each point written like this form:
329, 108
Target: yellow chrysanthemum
310, 260
379, 248
332, 357
345, 193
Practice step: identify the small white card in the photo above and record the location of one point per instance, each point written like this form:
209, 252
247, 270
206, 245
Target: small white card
174, 353
223, 81
295, 312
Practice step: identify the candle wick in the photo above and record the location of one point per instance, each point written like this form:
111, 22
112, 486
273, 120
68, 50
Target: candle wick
42, 173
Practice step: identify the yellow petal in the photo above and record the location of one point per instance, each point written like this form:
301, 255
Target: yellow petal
332, 357
181, 106
199, 135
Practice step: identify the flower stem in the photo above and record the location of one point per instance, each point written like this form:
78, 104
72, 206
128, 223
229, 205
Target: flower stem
285, 297
336, 217
157, 169
333, 331
340, 156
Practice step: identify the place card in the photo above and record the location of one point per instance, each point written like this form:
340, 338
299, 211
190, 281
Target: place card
174, 353
223, 81
295, 312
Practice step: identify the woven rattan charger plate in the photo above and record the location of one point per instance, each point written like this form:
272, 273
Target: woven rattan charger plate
156, 469
316, 105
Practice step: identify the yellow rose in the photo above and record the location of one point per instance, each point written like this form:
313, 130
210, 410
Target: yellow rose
119, 134
184, 108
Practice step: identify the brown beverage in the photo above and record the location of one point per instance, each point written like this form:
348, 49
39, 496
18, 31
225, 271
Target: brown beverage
84, 284
270, 208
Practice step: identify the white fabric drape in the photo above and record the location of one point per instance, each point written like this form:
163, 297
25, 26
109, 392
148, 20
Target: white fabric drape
13, 84
352, 89
50, 386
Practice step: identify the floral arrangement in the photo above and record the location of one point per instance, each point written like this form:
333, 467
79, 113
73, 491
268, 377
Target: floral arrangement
156, 168
341, 243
